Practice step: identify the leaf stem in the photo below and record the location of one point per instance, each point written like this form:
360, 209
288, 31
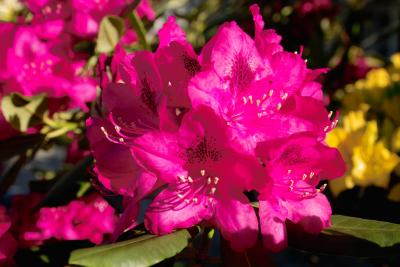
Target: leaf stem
138, 26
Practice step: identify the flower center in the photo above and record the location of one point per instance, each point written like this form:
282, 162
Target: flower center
241, 73
300, 186
191, 64
148, 96
203, 152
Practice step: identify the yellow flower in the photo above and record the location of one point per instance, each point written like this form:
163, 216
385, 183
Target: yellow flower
395, 59
377, 79
396, 140
369, 161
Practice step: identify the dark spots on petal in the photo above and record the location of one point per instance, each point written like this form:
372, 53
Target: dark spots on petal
204, 151
148, 96
191, 64
241, 73
292, 155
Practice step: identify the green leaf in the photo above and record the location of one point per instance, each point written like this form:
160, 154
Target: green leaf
142, 251
349, 236
18, 145
110, 32
383, 234
60, 193
137, 24
23, 112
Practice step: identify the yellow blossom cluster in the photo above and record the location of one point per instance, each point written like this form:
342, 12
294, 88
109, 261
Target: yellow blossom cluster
369, 134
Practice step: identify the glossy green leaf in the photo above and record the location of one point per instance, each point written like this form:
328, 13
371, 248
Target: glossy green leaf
110, 32
23, 112
383, 234
18, 145
142, 251
350, 236
61, 192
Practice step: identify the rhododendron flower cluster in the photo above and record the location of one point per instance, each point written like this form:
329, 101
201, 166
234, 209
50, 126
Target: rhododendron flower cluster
86, 218
209, 132
33, 66
38, 55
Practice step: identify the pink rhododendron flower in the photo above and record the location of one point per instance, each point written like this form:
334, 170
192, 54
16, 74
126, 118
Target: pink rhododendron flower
35, 66
8, 245
262, 93
144, 9
206, 179
314, 6
142, 110
50, 16
177, 62
196, 127
296, 166
87, 14
89, 218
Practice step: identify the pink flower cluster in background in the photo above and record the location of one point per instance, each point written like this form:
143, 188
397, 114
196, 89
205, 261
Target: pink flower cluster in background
38, 56
86, 218
243, 119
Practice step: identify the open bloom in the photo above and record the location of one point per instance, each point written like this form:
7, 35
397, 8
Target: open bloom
261, 91
195, 127
35, 66
51, 18
369, 160
86, 218
205, 179
296, 166
177, 62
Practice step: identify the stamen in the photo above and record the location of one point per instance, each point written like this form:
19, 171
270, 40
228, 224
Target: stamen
285, 95
216, 180
195, 200
304, 176
244, 100
270, 93
203, 172
251, 99
279, 106
209, 180
258, 101
311, 174
322, 188
264, 96
190, 179
289, 171
213, 190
